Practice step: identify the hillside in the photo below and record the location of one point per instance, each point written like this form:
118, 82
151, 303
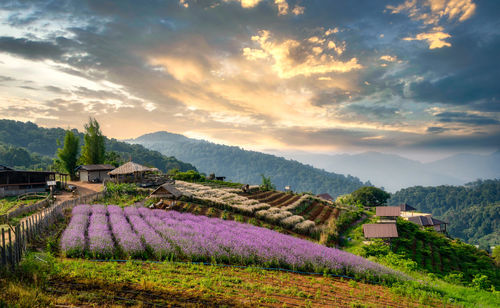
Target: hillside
472, 210
394, 172
26, 145
246, 166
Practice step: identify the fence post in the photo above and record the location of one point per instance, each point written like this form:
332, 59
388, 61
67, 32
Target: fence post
11, 254
4, 255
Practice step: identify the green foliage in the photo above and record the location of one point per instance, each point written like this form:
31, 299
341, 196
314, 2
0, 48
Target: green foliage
370, 196
113, 158
68, 154
443, 256
472, 210
93, 150
481, 282
246, 166
496, 255
41, 144
20, 158
189, 176
266, 184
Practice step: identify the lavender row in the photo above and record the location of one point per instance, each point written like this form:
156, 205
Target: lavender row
100, 240
128, 241
73, 238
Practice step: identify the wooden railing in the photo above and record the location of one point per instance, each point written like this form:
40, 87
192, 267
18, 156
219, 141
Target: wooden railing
13, 241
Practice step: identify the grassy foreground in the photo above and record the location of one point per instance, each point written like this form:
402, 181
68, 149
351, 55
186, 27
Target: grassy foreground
43, 280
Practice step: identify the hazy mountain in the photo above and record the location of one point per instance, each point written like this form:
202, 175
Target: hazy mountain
247, 166
394, 172
19, 140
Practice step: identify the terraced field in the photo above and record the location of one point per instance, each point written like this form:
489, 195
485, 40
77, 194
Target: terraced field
317, 211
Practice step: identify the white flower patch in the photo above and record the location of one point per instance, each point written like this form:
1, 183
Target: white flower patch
291, 221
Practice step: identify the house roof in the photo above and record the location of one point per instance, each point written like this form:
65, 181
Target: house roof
426, 221
169, 188
3, 167
326, 196
98, 167
406, 208
128, 168
380, 230
391, 211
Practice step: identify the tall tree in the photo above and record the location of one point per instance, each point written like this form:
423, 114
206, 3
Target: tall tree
68, 154
370, 196
93, 150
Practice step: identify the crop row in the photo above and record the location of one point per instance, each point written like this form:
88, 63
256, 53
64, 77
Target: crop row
104, 232
238, 203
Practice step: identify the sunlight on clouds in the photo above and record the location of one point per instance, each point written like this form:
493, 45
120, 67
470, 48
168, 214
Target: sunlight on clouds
282, 6
389, 58
284, 56
180, 69
434, 39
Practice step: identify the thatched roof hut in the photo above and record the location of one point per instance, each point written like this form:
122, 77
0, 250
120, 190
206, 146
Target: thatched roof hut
166, 190
130, 172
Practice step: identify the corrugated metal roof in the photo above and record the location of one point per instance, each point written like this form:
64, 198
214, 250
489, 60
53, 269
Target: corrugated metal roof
426, 221
128, 168
326, 196
380, 230
390, 211
406, 208
98, 167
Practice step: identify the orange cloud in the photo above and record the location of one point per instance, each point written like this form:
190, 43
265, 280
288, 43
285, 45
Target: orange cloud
292, 58
435, 39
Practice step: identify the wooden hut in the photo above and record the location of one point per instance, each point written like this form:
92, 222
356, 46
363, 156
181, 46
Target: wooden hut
325, 196
94, 173
429, 221
17, 182
383, 231
387, 214
167, 191
130, 172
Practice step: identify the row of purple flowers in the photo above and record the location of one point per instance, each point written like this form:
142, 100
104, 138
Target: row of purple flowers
100, 231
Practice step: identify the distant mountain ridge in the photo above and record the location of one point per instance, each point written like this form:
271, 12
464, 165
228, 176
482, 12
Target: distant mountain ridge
394, 172
246, 166
43, 141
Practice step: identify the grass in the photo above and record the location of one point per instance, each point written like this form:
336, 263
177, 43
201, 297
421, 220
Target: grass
44, 280
8, 204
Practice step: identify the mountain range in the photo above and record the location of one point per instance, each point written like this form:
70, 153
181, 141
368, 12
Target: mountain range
244, 166
394, 172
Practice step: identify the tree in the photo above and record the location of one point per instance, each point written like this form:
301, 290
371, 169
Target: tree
93, 150
370, 196
496, 255
266, 184
113, 158
68, 154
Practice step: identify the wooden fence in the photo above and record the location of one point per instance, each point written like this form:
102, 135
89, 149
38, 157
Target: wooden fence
13, 242
23, 209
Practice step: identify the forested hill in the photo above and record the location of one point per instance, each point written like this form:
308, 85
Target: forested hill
472, 210
26, 145
247, 166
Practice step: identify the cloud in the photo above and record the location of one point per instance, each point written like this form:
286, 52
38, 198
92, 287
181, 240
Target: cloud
466, 118
291, 58
434, 39
30, 49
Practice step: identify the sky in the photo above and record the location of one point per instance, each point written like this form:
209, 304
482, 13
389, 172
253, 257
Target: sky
418, 78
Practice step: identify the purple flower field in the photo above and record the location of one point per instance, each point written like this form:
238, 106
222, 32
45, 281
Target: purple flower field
106, 232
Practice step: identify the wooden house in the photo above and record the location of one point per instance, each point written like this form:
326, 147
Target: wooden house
130, 173
429, 221
18, 182
387, 214
325, 196
167, 191
94, 173
383, 231
407, 210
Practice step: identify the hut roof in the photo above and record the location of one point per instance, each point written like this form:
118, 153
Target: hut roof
99, 167
326, 196
390, 211
406, 208
2, 167
168, 188
128, 168
380, 230
426, 221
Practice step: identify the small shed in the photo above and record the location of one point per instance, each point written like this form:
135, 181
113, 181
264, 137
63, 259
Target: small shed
429, 221
325, 196
388, 214
166, 190
17, 182
94, 173
130, 172
383, 231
